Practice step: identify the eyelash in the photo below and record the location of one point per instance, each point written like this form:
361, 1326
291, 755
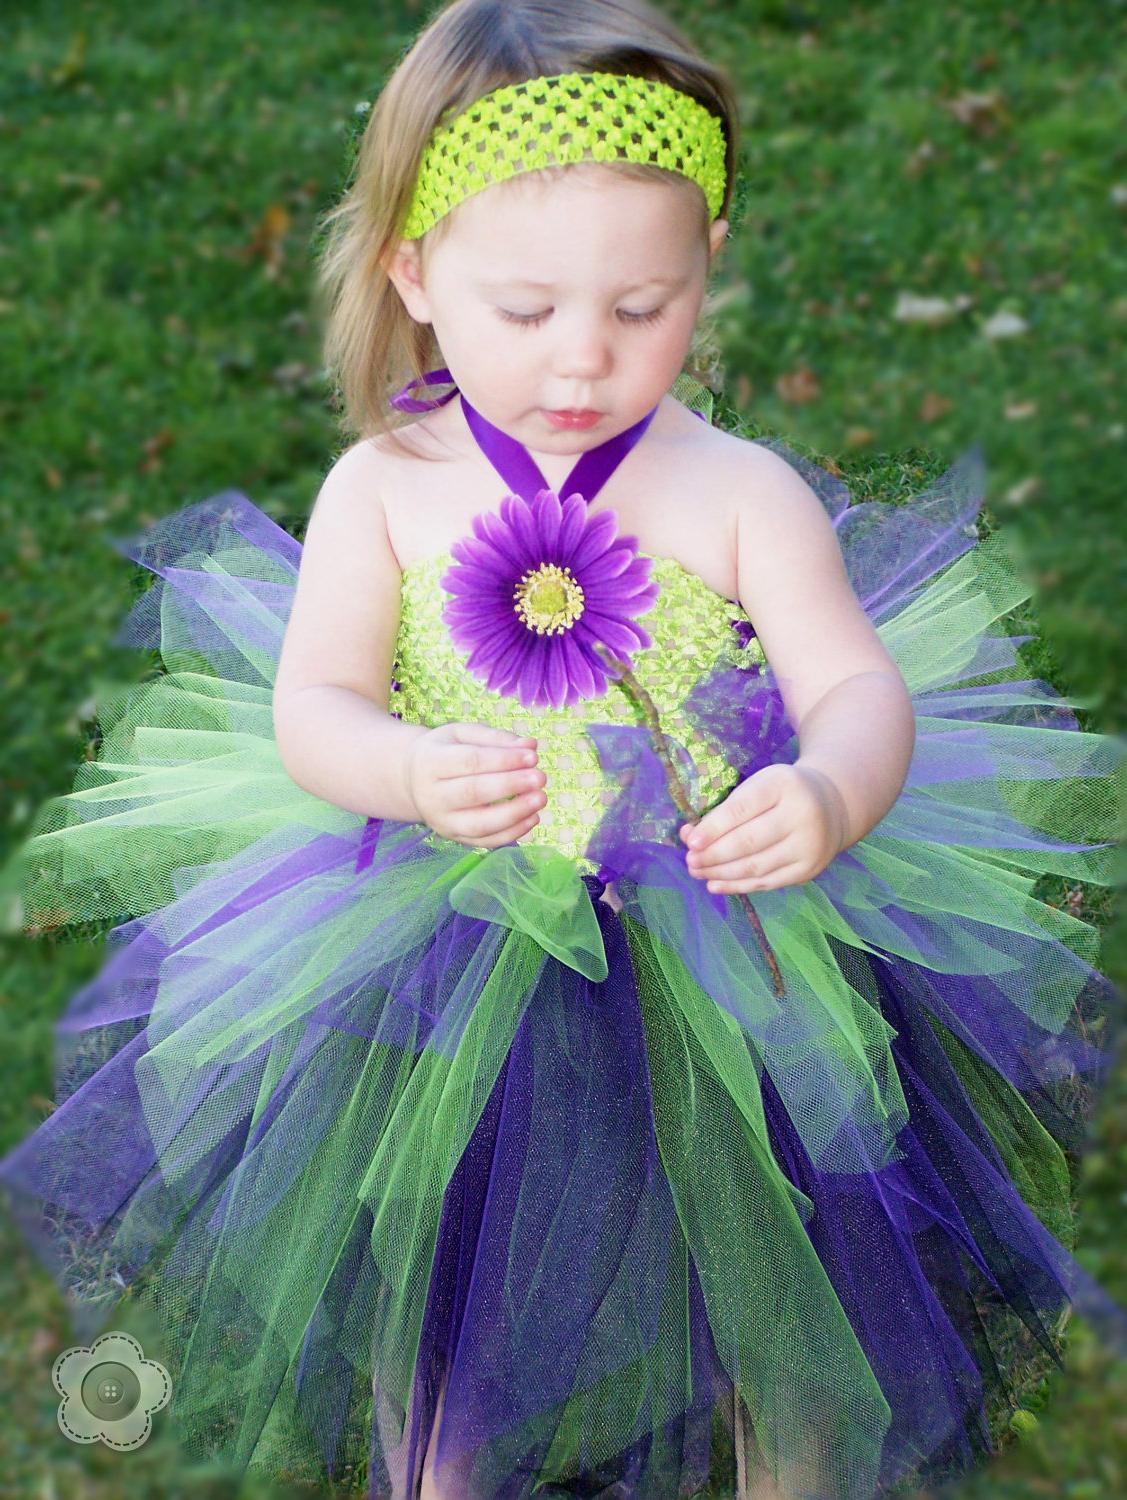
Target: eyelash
532, 319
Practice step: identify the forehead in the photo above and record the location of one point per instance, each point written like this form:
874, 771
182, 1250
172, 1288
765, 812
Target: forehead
538, 226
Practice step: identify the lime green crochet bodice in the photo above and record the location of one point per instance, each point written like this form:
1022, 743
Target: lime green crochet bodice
691, 628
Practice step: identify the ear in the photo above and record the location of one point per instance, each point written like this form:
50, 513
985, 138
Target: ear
717, 234
404, 270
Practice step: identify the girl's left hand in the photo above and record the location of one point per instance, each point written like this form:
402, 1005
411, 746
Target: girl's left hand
781, 826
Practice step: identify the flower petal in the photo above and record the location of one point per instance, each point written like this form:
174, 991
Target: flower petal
494, 530
621, 637
473, 551
479, 584
611, 564
487, 619
528, 536
572, 522
530, 676
615, 598
557, 685
577, 666
597, 536
479, 606
486, 629
516, 663
548, 515
644, 640
631, 590
510, 665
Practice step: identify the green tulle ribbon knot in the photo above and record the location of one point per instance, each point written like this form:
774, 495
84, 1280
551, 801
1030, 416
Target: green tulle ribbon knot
535, 889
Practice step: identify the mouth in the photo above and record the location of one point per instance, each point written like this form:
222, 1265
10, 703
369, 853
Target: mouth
573, 418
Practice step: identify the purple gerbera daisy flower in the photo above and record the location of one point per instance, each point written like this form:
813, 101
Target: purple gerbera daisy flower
537, 589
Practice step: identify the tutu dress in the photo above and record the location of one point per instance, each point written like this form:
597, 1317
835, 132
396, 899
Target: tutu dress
356, 1108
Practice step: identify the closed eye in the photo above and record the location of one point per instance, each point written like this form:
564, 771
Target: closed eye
529, 320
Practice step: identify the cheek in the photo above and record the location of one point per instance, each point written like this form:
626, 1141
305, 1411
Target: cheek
483, 344
684, 324
673, 340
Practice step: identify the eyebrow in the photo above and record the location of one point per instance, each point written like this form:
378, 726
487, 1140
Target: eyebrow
547, 286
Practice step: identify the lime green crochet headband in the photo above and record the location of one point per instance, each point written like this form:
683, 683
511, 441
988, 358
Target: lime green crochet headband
559, 120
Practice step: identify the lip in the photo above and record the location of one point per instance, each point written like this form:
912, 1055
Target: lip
571, 418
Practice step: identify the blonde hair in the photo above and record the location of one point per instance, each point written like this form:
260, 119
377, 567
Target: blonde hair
372, 345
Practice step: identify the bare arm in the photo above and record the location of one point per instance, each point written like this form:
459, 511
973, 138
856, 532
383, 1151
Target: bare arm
860, 735
334, 733
345, 749
841, 688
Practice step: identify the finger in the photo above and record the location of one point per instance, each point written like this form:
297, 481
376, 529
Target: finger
757, 795
514, 831
485, 788
471, 733
792, 873
757, 837
483, 741
512, 835
499, 824
484, 751
755, 866
481, 818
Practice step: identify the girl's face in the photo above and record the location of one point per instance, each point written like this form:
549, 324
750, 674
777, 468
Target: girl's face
572, 292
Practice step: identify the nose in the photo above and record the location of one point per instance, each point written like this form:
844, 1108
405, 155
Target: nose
584, 353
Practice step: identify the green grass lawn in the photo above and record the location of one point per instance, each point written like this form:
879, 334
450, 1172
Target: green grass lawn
932, 252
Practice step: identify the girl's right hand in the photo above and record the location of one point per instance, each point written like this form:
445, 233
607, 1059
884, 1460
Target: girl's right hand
460, 775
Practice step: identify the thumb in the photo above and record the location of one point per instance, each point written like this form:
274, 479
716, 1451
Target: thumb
746, 800
762, 789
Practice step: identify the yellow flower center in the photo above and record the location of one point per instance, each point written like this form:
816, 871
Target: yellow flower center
548, 599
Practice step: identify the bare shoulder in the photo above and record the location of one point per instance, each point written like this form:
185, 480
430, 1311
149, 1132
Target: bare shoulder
353, 469
765, 499
352, 497
360, 465
794, 584
732, 457
385, 466
774, 504
787, 551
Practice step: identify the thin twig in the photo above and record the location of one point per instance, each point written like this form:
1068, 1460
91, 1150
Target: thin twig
631, 685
